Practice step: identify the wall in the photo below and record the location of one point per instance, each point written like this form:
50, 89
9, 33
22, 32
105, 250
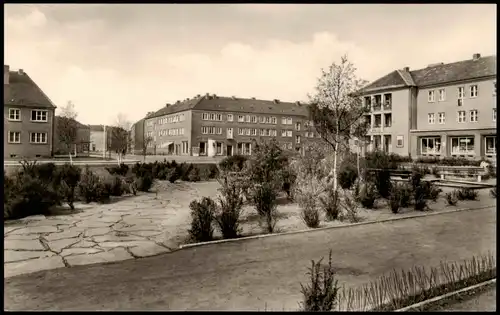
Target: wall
97, 139
159, 139
25, 126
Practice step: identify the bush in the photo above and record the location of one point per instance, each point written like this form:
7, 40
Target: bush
264, 199
435, 171
381, 160
213, 171
493, 192
382, 180
114, 185
194, 175
122, 169
144, 182
434, 192
347, 176
330, 204
202, 216
174, 174
367, 196
420, 196
395, 197
350, 208
70, 176
231, 205
321, 293
452, 198
309, 210
89, 186
405, 195
289, 178
467, 194
186, 170
233, 163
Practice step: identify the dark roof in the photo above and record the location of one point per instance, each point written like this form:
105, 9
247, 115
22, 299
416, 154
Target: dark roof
22, 90
79, 124
439, 74
234, 104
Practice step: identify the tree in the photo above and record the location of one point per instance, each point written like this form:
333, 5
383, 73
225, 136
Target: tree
336, 108
145, 145
120, 136
67, 126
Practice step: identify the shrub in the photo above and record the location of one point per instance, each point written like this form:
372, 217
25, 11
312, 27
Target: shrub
144, 182
231, 205
163, 173
213, 171
330, 204
174, 174
309, 210
452, 198
380, 160
202, 216
395, 197
350, 208
289, 178
264, 200
493, 192
122, 169
130, 185
347, 176
194, 175
435, 171
89, 186
382, 180
321, 293
367, 196
405, 195
434, 192
420, 196
233, 163
70, 177
186, 170
114, 185
467, 194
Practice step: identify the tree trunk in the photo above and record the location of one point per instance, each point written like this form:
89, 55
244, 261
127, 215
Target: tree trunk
335, 153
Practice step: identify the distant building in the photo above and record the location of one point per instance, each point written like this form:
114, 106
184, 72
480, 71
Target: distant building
99, 141
28, 117
137, 137
442, 110
82, 142
212, 125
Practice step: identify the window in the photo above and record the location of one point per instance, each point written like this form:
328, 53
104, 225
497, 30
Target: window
38, 137
368, 101
212, 116
219, 148
274, 133
461, 116
430, 146
274, 120
494, 114
491, 145
283, 133
462, 145
431, 96
241, 118
494, 88
39, 115
262, 119
473, 115
254, 119
202, 148
229, 117
204, 130
268, 120
247, 118
219, 130
431, 118
461, 92
14, 114
289, 121
442, 95
181, 131
204, 116
297, 139
181, 117
297, 126
289, 146
248, 148
441, 118
473, 91
14, 137
229, 132
387, 120
241, 132
400, 141
288, 133
254, 132
247, 131
283, 120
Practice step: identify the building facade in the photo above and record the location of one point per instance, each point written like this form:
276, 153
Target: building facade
82, 140
212, 125
443, 110
28, 117
100, 137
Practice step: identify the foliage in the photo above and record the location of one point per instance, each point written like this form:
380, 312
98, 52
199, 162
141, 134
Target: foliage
467, 194
264, 200
449, 161
144, 182
309, 210
70, 177
320, 294
452, 198
382, 181
493, 192
202, 216
174, 174
381, 160
121, 170
350, 208
368, 195
115, 184
66, 126
420, 195
120, 139
289, 178
331, 204
395, 197
347, 176
145, 144
186, 170
233, 163
231, 204
194, 175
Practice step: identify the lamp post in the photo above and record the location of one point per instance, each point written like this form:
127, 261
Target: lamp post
105, 143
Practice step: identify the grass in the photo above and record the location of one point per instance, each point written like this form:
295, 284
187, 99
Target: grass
401, 289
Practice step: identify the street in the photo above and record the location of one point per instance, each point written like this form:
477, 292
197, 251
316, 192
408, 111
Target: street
255, 274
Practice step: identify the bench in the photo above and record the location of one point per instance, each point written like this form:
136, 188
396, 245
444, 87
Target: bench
448, 173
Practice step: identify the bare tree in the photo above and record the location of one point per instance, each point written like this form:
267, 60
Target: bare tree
67, 126
120, 136
145, 145
336, 108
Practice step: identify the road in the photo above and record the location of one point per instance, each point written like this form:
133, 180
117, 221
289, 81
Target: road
254, 274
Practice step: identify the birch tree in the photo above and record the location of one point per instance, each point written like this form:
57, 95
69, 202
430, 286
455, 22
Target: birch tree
67, 127
120, 136
336, 109
145, 145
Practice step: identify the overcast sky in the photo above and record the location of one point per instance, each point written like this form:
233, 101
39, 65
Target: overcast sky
133, 58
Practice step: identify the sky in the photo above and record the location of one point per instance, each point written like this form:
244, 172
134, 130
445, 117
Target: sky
128, 59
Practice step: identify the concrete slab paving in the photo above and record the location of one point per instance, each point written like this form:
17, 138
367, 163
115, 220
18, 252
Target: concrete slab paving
79, 251
32, 265
17, 255
23, 245
116, 254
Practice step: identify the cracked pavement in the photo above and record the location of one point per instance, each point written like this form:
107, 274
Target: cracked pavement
145, 225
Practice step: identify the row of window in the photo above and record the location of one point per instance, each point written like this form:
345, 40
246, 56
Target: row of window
459, 145
171, 132
171, 119
35, 137
472, 93
248, 119
461, 116
206, 130
38, 115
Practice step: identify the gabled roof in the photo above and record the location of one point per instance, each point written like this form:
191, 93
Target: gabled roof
481, 67
78, 124
234, 104
23, 91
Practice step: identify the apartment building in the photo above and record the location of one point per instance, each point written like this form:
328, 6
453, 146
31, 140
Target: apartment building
28, 117
442, 110
100, 138
212, 125
137, 136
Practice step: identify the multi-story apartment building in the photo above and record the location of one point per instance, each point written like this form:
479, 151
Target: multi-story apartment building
28, 117
442, 110
137, 137
212, 125
100, 138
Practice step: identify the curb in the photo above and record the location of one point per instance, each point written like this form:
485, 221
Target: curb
329, 227
447, 295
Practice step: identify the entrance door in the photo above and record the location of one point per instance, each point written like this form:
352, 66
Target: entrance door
229, 150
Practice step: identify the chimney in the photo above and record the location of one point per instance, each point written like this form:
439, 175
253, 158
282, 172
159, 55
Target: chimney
187, 99
297, 103
167, 105
276, 101
6, 70
476, 56
208, 94
233, 97
214, 95
177, 102
253, 98
198, 95
406, 69
20, 71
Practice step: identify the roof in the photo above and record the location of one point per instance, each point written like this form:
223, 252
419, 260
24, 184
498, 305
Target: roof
79, 124
234, 104
438, 74
22, 90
